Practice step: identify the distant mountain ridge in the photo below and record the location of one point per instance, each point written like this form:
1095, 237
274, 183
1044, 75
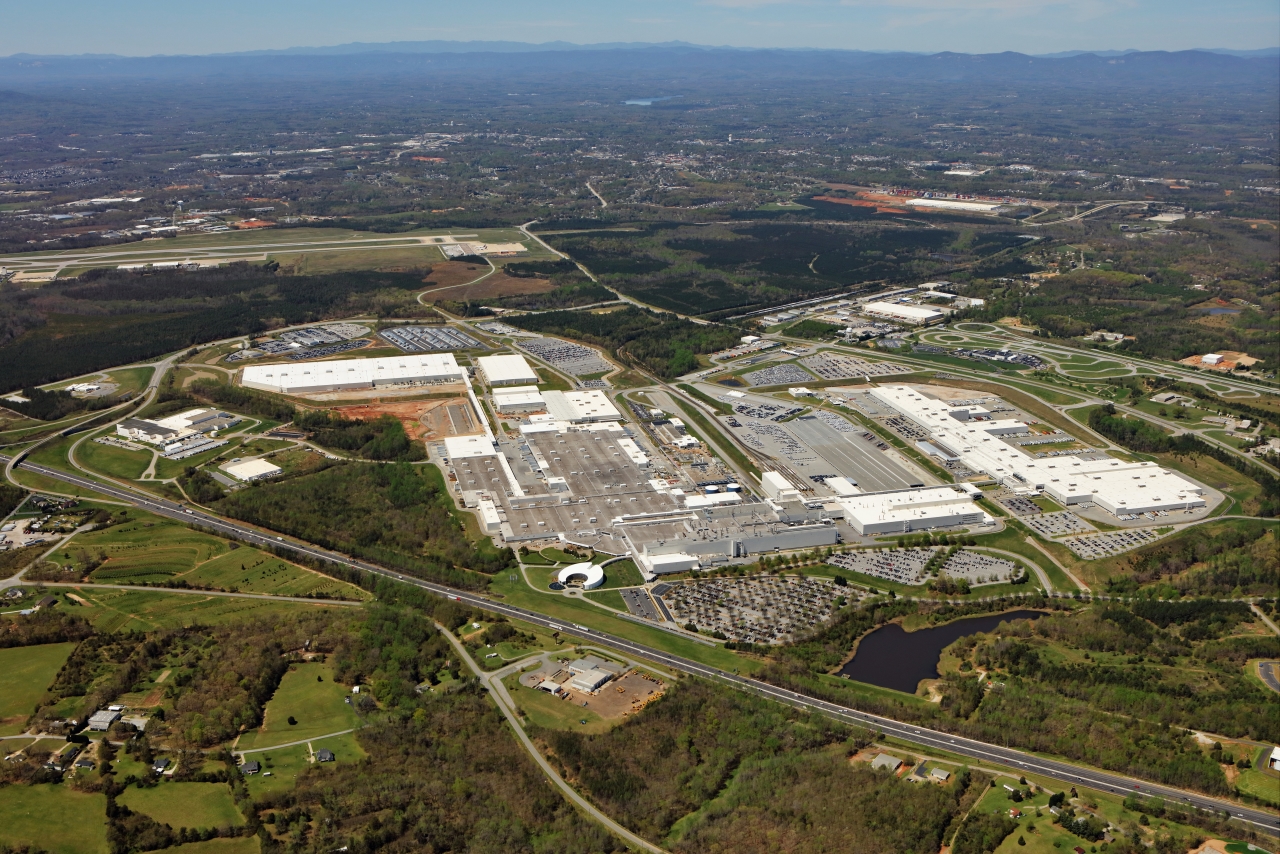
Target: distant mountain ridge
444, 46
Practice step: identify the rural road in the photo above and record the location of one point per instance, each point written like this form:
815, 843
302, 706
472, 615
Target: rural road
1062, 771
504, 703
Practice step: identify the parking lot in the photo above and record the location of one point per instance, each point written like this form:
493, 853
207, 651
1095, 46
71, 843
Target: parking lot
1061, 524
422, 339
980, 568
788, 374
1019, 505
1107, 543
639, 603
905, 566
838, 366
761, 609
565, 356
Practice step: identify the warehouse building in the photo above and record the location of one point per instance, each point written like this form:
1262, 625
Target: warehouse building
251, 470
522, 398
1119, 487
507, 370
902, 312
907, 510
581, 407
348, 374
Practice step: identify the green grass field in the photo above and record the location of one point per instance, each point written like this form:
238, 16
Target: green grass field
53, 818
196, 805
553, 713
316, 704
286, 763
25, 673
166, 469
248, 570
623, 573
147, 610
1260, 785
611, 598
113, 461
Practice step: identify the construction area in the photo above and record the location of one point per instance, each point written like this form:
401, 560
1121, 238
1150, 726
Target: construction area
422, 419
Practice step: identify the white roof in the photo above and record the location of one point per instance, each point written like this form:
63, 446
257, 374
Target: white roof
907, 312
593, 576
251, 469
415, 367
506, 369
1118, 486
181, 421
579, 406
953, 204
515, 389
467, 447
908, 505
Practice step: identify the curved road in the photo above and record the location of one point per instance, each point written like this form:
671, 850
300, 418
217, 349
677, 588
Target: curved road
1065, 772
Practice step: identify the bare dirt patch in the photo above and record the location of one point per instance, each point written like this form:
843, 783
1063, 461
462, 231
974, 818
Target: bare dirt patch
491, 287
200, 375
422, 419
450, 273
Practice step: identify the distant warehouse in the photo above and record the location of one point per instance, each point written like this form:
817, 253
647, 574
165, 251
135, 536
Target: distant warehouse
905, 313
507, 370
409, 369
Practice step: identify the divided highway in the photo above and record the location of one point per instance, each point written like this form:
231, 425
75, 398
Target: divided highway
1064, 772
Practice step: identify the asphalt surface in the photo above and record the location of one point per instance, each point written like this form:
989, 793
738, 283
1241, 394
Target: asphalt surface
1064, 772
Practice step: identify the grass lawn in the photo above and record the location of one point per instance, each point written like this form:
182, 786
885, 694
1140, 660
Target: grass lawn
611, 598
196, 805
166, 469
285, 764
113, 461
1260, 785
553, 713
147, 610
308, 694
25, 673
131, 379
53, 818
622, 573
248, 570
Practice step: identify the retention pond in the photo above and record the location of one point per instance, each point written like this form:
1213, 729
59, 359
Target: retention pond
892, 657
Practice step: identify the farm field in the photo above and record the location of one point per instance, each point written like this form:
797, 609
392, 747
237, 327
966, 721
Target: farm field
194, 805
25, 673
53, 818
308, 696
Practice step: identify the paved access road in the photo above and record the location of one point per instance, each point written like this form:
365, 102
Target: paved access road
1064, 772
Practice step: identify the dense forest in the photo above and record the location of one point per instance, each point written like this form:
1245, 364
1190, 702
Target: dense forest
1166, 666
770, 772
398, 515
1237, 558
662, 343
111, 317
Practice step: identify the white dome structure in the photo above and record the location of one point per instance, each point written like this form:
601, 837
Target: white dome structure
588, 575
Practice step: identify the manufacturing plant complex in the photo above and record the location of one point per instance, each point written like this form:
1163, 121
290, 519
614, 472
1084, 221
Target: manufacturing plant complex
969, 434
566, 467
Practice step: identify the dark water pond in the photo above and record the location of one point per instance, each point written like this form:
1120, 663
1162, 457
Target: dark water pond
893, 658
1219, 310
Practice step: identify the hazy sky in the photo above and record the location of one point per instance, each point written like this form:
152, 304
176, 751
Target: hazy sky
144, 27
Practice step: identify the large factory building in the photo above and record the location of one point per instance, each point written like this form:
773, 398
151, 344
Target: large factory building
344, 374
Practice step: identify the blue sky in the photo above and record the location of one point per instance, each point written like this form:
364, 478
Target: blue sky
145, 27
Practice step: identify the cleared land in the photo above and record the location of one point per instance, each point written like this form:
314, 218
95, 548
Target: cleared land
53, 818
197, 805
147, 610
286, 763
309, 696
25, 673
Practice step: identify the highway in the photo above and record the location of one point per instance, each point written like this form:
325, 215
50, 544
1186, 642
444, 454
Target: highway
1064, 772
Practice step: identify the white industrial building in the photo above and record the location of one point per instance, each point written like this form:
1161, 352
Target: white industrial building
406, 370
581, 407
906, 510
955, 205
1121, 488
522, 398
507, 370
902, 312
251, 470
